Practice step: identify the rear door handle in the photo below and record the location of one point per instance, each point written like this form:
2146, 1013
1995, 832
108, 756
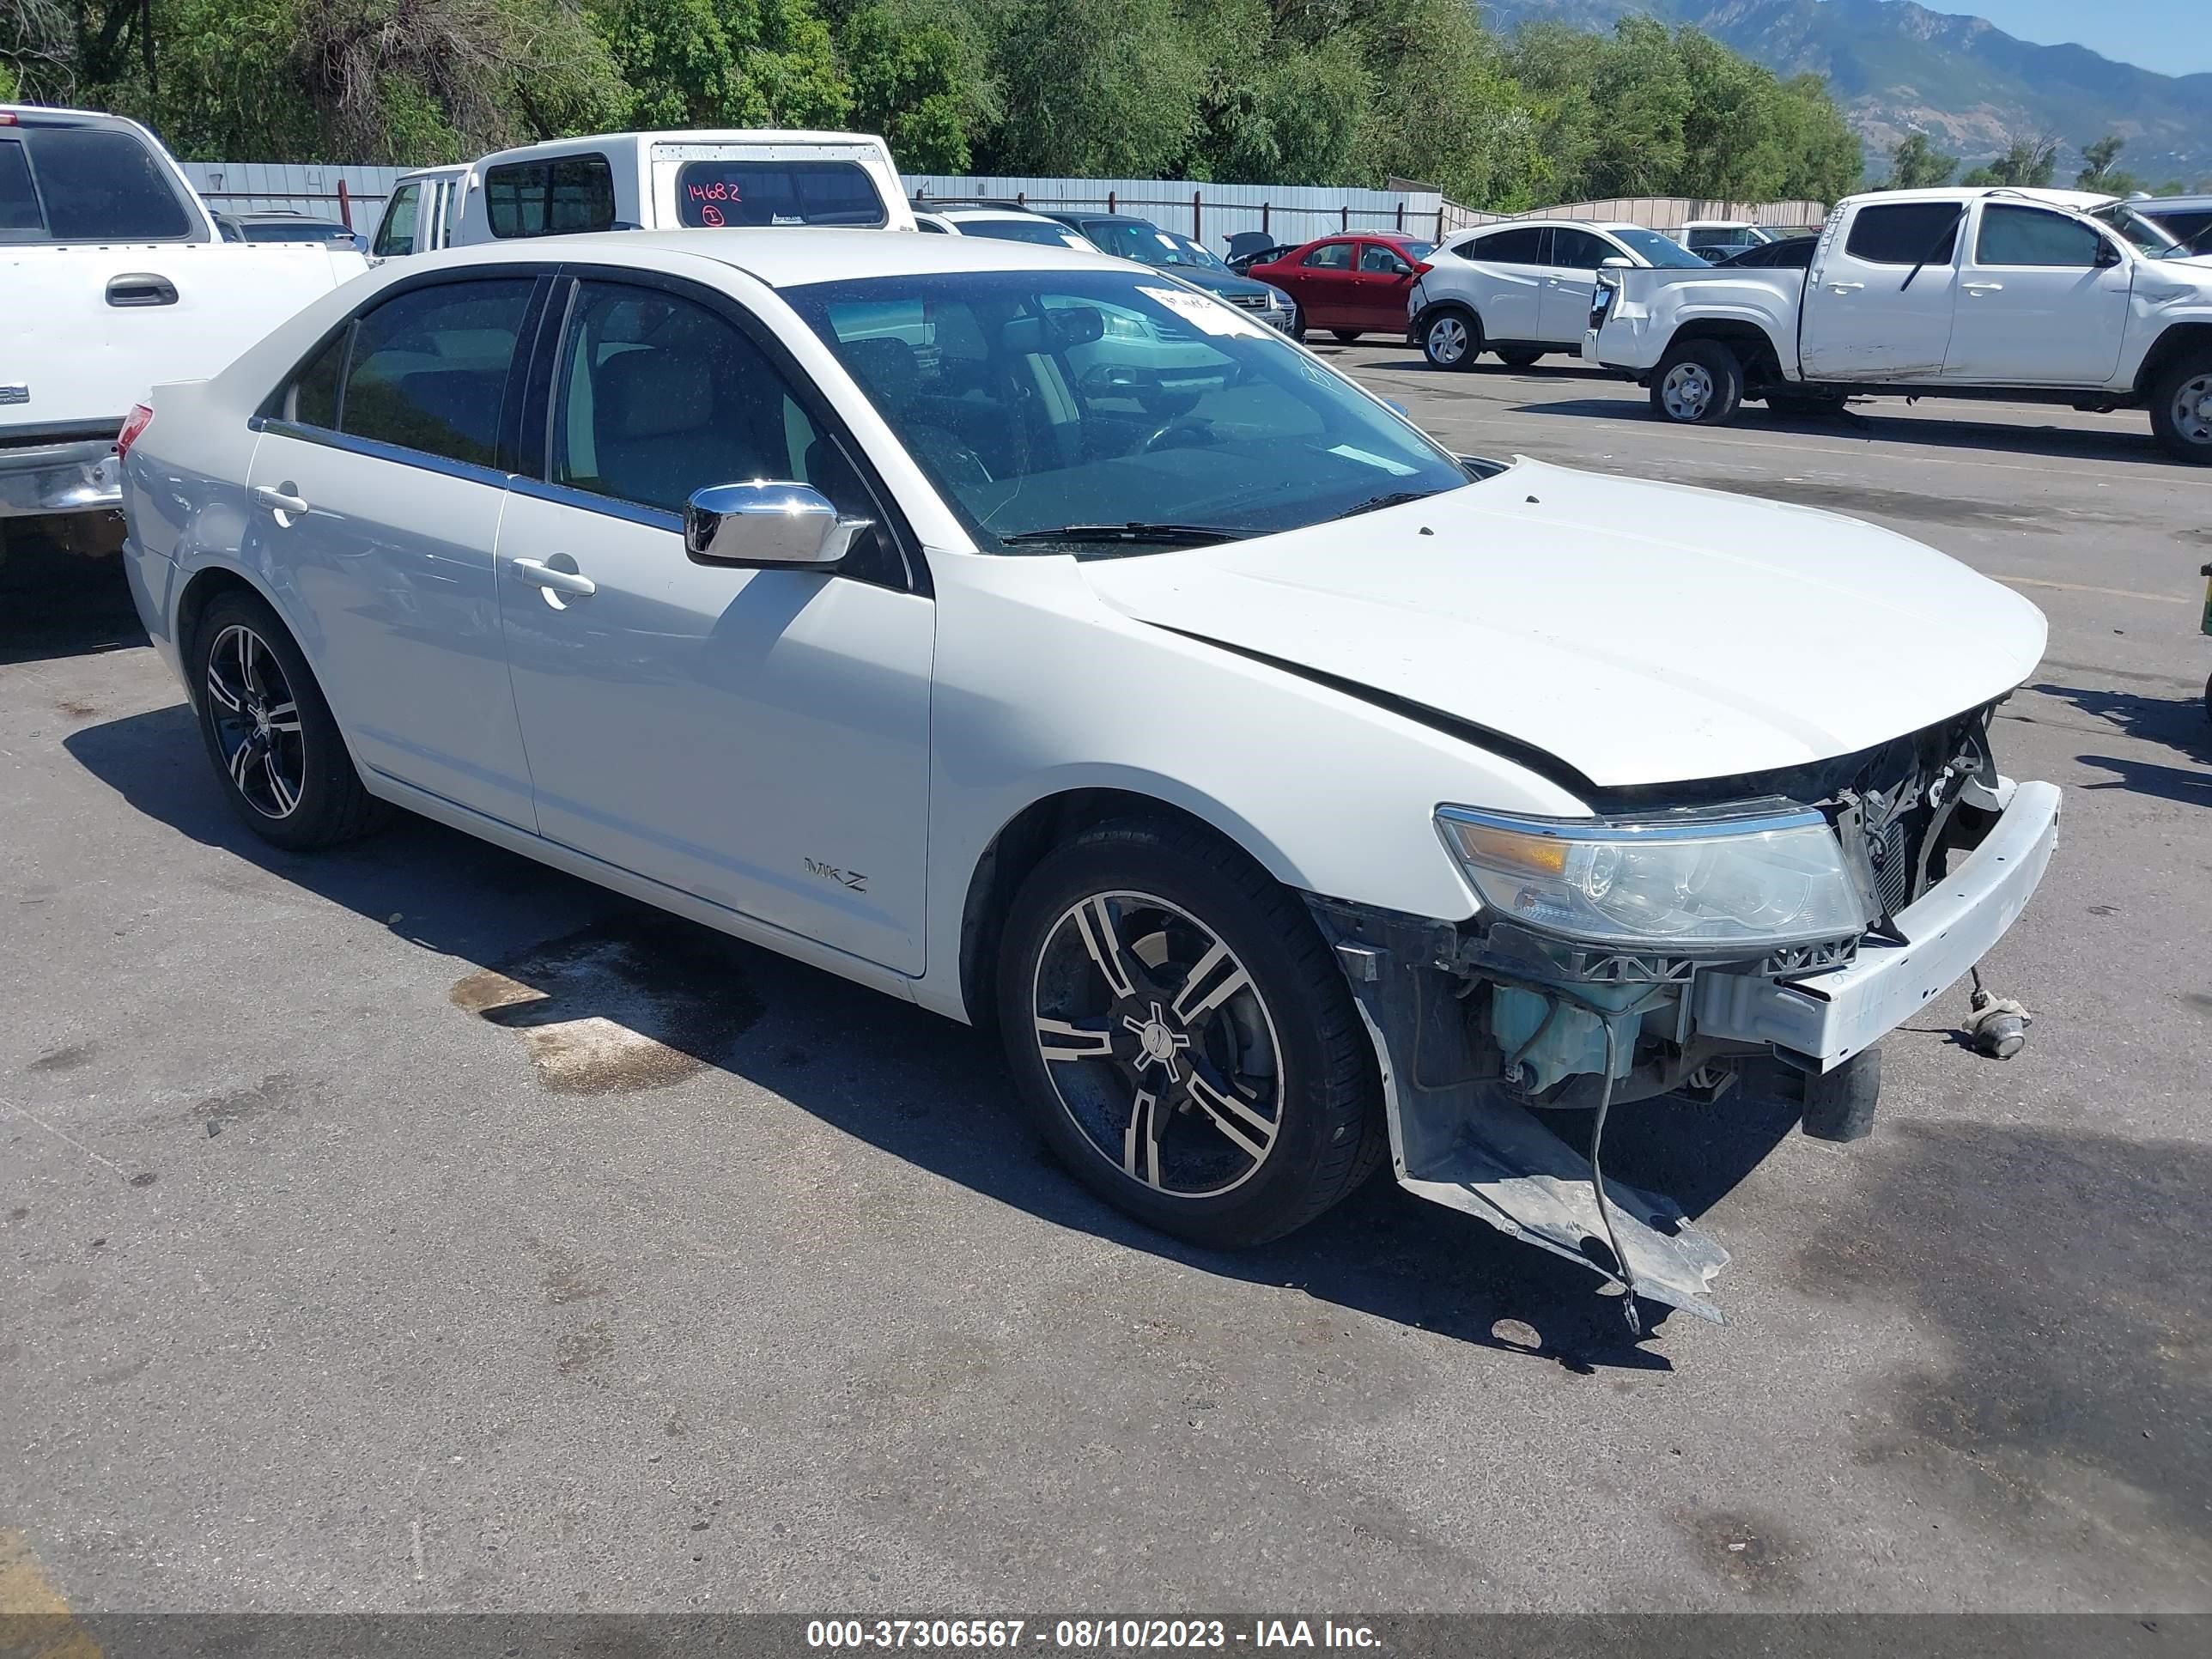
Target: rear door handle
141, 288
560, 582
1845, 288
1982, 288
277, 502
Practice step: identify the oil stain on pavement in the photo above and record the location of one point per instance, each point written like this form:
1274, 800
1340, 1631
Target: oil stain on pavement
637, 1001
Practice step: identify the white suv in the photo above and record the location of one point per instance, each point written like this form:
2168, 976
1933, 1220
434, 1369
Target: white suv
1523, 289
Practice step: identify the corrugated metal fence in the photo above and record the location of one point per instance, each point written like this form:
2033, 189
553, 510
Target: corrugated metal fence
1212, 213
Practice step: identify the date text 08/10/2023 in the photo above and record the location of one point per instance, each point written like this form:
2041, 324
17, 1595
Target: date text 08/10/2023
1086, 1635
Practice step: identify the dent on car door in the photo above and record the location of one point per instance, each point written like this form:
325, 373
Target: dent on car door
755, 738
1879, 302
2035, 304
375, 495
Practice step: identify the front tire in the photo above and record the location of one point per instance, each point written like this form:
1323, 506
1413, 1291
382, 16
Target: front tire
1346, 336
1451, 339
2181, 410
275, 746
1182, 1037
1699, 383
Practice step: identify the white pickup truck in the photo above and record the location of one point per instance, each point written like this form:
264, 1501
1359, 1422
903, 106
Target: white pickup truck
113, 277
2052, 295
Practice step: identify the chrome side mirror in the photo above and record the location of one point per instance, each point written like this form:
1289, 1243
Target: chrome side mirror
767, 523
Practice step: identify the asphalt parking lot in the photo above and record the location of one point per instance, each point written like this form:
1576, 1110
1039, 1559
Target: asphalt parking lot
415, 1227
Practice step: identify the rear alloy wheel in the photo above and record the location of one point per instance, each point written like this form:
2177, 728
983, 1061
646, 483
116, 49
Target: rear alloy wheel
2181, 410
1519, 359
283, 763
1451, 340
1699, 384
1182, 1038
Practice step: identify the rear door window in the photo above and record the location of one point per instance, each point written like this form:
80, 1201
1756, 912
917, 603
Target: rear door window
1380, 259
1905, 234
552, 197
1509, 247
1577, 250
749, 193
428, 368
1330, 256
91, 184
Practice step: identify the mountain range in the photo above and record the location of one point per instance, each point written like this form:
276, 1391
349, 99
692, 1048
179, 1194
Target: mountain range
1896, 67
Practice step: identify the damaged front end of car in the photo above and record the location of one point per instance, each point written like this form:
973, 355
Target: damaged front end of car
1655, 948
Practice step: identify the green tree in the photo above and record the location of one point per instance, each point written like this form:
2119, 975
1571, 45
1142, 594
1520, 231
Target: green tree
1103, 88
2098, 171
906, 74
723, 63
1916, 164
2027, 164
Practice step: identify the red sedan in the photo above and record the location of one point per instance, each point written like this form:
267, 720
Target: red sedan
1350, 285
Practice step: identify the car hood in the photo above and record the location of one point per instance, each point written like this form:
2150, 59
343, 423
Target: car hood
1213, 281
1559, 609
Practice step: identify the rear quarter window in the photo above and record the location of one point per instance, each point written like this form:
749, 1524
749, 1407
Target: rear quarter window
756, 193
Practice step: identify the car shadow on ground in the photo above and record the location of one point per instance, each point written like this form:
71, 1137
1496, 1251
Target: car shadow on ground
55, 604
2177, 722
549, 950
1945, 432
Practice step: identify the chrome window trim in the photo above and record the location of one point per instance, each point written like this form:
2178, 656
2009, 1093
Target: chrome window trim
376, 449
611, 506
1723, 821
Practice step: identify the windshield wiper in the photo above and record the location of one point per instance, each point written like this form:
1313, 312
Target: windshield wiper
1169, 535
1395, 498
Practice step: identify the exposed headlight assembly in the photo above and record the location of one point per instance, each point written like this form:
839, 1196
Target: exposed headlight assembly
1695, 883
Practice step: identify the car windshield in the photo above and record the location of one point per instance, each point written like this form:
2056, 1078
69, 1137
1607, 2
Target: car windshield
1046, 233
1662, 251
1044, 403
2147, 236
1148, 245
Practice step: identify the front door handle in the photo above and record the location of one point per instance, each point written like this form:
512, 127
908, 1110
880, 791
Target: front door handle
281, 501
544, 576
1845, 288
1982, 288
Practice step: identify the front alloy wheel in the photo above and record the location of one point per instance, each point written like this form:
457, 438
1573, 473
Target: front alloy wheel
1182, 1036
2181, 410
1158, 1045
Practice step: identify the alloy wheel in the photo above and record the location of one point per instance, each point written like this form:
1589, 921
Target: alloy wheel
1447, 340
1687, 391
1158, 1043
2192, 409
256, 722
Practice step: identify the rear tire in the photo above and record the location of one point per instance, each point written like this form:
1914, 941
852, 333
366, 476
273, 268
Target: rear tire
2181, 410
1451, 339
1299, 323
1518, 358
1346, 336
1698, 383
277, 749
1182, 1037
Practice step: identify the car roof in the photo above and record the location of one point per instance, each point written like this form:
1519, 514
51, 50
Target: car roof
1555, 224
2154, 205
611, 140
1956, 194
785, 256
1022, 214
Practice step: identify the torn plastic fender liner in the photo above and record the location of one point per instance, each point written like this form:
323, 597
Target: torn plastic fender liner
1458, 1139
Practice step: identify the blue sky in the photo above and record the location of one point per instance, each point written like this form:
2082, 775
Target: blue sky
2173, 37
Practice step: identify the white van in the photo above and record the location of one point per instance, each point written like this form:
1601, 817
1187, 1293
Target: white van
671, 180
418, 216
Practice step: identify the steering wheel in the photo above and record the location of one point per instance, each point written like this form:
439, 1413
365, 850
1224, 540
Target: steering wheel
1183, 432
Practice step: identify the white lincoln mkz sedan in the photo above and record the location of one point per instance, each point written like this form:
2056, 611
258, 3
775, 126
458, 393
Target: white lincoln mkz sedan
1025, 634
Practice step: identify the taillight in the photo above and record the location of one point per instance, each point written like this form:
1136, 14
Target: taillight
134, 424
1422, 268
